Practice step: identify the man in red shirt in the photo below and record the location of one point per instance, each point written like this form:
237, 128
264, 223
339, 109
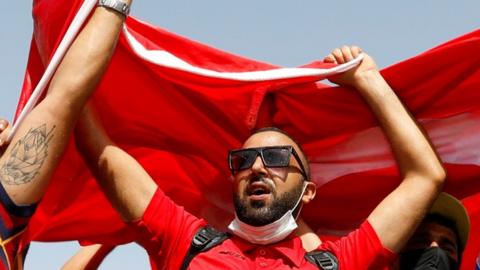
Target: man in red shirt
29, 160
271, 183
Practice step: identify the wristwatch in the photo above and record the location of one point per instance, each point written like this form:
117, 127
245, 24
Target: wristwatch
115, 5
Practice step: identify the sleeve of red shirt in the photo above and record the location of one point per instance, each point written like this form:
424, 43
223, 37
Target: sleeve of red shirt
361, 249
166, 229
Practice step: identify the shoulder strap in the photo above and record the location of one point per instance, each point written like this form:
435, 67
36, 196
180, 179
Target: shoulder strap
324, 260
205, 239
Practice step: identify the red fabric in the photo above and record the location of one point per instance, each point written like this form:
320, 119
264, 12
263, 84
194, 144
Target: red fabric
168, 239
179, 126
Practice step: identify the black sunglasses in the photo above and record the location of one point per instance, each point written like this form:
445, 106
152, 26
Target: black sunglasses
272, 157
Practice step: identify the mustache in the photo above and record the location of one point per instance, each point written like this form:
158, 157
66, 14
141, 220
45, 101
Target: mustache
260, 178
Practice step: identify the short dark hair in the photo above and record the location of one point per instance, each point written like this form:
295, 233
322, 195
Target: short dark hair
303, 156
449, 223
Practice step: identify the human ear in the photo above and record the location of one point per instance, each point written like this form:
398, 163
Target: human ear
310, 192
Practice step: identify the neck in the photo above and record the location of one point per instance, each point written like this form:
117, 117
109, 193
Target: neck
310, 240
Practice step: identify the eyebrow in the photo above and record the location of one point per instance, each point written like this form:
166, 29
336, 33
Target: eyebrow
424, 236
446, 240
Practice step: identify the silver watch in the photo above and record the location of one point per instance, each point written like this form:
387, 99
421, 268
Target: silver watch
115, 5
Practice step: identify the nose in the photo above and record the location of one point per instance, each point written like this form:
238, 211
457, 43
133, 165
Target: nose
258, 167
434, 244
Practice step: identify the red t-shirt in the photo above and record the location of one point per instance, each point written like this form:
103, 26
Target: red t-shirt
166, 231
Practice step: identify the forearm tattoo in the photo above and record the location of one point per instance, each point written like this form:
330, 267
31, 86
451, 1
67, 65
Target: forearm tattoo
26, 157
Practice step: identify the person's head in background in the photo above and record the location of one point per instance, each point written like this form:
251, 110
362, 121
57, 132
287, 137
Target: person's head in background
439, 241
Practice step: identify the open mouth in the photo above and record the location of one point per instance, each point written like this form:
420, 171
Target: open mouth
258, 191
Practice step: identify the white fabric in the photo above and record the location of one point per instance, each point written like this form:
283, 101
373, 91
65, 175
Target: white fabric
166, 59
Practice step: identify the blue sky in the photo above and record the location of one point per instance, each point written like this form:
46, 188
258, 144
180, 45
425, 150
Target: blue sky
288, 33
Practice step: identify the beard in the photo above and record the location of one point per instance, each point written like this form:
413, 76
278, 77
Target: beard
258, 213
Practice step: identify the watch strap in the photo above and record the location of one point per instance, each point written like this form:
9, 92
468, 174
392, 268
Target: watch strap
115, 5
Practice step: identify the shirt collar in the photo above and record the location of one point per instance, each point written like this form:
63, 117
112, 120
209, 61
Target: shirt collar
291, 248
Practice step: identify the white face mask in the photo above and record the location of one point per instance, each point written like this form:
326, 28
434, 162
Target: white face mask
270, 233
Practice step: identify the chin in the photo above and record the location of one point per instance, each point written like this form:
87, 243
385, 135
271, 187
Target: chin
257, 204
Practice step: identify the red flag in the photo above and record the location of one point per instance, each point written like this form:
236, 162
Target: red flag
177, 106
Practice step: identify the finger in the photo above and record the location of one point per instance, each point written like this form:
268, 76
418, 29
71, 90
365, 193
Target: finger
3, 132
2, 140
2, 150
3, 124
356, 51
329, 59
3, 145
347, 54
337, 53
4, 136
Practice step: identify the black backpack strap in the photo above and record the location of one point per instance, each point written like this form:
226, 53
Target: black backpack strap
324, 260
205, 239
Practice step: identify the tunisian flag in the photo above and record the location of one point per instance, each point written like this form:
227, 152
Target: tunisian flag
177, 106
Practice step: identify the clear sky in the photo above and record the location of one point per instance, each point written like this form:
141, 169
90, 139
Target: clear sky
288, 33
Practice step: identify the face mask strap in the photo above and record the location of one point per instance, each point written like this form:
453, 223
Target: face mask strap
298, 206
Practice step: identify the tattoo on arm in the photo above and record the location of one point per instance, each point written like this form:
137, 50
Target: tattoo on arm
27, 157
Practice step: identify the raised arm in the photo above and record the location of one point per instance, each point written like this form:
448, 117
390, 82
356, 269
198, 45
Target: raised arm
28, 163
396, 217
127, 185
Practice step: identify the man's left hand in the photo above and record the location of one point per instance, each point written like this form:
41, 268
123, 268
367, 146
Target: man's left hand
353, 76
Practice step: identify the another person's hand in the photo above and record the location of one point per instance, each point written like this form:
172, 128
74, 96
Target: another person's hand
4, 131
355, 75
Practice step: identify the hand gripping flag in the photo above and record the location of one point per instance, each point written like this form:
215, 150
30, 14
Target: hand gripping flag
177, 106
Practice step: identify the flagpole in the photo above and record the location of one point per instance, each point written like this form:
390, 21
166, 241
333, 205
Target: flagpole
67, 40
